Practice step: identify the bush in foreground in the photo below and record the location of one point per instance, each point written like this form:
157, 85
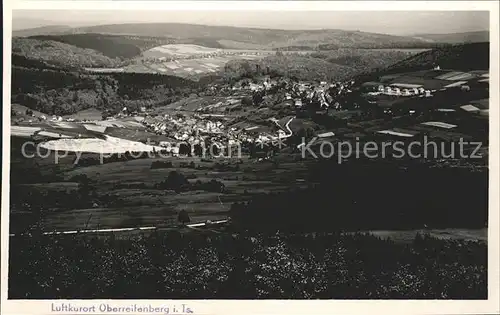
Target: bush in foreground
225, 266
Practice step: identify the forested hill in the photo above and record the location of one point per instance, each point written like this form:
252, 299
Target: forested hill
59, 54
112, 46
463, 57
43, 81
457, 38
471, 56
53, 90
241, 38
42, 30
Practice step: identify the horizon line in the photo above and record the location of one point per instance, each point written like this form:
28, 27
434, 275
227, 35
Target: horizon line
243, 27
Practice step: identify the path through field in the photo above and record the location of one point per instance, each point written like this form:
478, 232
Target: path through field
404, 236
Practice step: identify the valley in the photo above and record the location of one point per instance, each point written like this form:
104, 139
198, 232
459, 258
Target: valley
226, 162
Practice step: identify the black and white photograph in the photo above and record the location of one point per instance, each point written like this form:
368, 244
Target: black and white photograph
248, 155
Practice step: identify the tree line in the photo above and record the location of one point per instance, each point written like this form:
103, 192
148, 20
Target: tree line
364, 194
174, 265
63, 92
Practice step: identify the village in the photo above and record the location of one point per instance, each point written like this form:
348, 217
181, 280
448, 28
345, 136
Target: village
257, 113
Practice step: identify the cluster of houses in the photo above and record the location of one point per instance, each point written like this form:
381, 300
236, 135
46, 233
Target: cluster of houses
375, 88
324, 94
192, 129
302, 94
54, 118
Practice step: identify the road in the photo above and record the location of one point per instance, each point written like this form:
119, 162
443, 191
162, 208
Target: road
142, 228
287, 126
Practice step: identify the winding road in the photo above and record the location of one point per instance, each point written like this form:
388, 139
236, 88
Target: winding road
287, 126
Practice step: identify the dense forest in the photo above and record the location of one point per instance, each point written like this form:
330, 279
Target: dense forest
465, 57
112, 46
176, 265
61, 54
386, 45
63, 92
335, 65
299, 67
372, 190
461, 57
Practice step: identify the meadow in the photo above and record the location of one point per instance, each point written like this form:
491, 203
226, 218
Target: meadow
126, 191
193, 61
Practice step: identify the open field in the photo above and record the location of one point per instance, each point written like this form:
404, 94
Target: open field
187, 68
87, 114
188, 50
188, 61
109, 145
139, 203
20, 110
23, 131
185, 60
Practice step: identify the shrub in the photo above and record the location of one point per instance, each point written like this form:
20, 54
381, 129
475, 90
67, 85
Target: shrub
175, 181
183, 217
245, 266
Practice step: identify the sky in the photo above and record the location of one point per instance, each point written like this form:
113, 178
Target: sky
387, 22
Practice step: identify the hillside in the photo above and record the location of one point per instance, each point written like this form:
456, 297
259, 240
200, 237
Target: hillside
112, 46
333, 65
41, 83
472, 56
64, 92
461, 57
289, 66
42, 30
243, 38
59, 54
456, 38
